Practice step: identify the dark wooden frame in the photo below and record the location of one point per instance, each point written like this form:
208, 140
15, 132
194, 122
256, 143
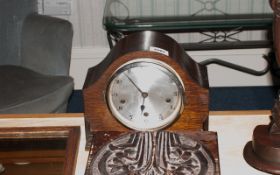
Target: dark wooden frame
72, 133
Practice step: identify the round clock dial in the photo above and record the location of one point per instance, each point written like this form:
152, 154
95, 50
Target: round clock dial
145, 94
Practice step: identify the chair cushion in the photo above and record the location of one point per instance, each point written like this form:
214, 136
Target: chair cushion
25, 91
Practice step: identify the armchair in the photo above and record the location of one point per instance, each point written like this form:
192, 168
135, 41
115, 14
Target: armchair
35, 53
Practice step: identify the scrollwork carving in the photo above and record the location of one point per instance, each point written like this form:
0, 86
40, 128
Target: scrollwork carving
275, 123
275, 5
153, 153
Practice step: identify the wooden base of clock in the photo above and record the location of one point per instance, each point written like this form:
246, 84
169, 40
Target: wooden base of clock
154, 153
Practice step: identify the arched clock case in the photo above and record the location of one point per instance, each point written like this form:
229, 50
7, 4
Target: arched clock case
147, 87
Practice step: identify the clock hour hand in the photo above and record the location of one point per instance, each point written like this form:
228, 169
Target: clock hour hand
142, 107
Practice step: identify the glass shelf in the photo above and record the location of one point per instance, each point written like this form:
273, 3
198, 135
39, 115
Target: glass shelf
122, 17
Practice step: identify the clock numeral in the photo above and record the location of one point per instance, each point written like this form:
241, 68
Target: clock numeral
120, 108
118, 81
168, 100
175, 93
146, 114
130, 117
161, 117
122, 101
115, 94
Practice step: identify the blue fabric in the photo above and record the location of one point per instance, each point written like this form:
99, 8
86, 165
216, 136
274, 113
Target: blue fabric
242, 98
76, 102
221, 99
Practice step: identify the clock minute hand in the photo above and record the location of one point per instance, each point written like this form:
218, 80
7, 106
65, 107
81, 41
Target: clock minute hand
143, 94
135, 85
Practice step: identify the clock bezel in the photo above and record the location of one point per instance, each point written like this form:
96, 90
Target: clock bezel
159, 65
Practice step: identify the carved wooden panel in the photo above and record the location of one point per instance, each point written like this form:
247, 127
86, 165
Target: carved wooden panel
157, 153
275, 5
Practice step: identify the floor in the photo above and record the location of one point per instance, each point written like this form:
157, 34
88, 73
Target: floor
221, 99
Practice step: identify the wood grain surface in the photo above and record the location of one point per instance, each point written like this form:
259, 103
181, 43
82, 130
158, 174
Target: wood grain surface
194, 76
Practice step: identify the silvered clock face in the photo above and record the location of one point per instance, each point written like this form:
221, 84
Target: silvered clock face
145, 94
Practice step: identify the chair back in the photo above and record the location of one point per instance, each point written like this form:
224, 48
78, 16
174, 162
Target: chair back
46, 44
12, 15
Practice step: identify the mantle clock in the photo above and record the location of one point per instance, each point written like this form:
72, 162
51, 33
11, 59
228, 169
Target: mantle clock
146, 110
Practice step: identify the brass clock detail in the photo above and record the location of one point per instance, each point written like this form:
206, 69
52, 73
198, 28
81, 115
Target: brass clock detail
148, 84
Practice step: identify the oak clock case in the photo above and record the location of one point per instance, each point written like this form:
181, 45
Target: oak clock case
136, 49
147, 83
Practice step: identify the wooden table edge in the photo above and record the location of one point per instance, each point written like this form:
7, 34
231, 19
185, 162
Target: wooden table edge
73, 115
50, 115
241, 112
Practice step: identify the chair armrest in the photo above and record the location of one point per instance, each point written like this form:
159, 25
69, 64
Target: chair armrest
46, 44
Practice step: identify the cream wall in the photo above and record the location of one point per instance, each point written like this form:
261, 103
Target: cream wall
90, 45
218, 76
86, 17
